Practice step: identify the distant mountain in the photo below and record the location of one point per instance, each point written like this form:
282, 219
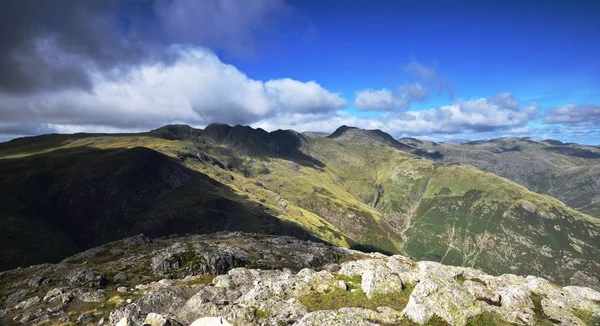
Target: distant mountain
355, 188
567, 171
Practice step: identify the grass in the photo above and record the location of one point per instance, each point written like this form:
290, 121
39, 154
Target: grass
366, 196
355, 297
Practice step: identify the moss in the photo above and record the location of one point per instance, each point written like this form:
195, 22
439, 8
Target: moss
487, 319
588, 317
258, 313
434, 321
337, 298
540, 317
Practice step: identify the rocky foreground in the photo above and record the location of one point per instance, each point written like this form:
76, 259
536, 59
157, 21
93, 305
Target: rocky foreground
248, 279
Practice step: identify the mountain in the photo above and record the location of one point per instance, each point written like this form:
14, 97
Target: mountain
251, 279
355, 188
569, 172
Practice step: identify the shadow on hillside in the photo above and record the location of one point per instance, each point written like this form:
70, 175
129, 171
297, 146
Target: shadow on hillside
370, 248
58, 203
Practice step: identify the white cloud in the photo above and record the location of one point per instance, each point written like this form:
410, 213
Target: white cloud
386, 100
572, 114
196, 89
481, 115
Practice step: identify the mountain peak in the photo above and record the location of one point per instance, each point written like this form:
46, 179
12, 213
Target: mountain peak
341, 130
368, 136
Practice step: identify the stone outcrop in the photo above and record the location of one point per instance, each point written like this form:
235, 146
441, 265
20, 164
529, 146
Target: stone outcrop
243, 279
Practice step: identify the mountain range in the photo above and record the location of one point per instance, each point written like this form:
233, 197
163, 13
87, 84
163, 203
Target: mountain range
493, 205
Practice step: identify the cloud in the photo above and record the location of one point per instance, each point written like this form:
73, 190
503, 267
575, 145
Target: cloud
197, 88
475, 115
481, 115
428, 74
386, 100
230, 25
53, 44
571, 114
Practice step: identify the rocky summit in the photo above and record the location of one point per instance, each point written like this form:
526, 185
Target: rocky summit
250, 279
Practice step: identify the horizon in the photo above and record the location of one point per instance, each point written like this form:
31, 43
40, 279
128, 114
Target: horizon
325, 134
429, 70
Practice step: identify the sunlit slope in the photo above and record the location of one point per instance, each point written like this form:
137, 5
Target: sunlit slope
567, 171
461, 215
355, 188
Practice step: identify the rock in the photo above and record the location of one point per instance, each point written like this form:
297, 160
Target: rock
85, 318
28, 303
342, 285
120, 277
211, 321
54, 293
273, 296
102, 321
333, 268
88, 295
81, 276
16, 297
64, 319
154, 319
380, 279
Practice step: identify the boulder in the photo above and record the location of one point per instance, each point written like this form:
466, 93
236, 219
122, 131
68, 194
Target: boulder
210, 321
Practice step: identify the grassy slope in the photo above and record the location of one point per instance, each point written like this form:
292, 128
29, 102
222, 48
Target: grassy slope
460, 215
569, 172
91, 190
372, 196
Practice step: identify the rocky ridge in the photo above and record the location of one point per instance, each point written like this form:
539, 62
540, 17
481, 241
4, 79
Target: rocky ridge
249, 279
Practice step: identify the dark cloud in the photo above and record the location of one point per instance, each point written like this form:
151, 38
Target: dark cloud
25, 129
52, 44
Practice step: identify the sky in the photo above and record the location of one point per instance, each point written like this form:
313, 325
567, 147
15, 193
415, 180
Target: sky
439, 70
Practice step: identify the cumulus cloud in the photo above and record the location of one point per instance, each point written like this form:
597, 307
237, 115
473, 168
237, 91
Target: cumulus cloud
197, 88
571, 114
498, 113
387, 100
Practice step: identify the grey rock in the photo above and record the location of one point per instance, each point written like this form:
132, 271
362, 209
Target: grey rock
154, 319
85, 318
81, 276
120, 277
28, 303
86, 295
211, 321
54, 293
16, 297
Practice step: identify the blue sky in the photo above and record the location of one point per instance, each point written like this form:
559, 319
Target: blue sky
431, 69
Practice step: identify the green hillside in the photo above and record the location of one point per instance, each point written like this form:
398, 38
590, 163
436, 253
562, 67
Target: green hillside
355, 188
567, 171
